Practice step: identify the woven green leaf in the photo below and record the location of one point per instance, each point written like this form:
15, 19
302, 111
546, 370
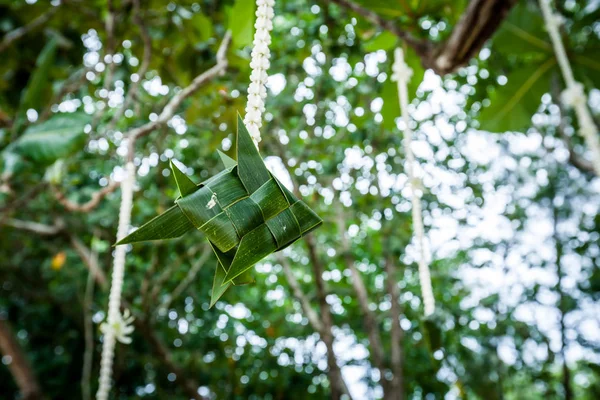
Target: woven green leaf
244, 211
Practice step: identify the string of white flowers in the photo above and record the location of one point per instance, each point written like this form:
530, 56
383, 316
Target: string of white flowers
574, 95
257, 91
117, 325
402, 73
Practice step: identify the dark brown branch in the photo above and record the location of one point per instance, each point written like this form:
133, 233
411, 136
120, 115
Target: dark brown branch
19, 366
396, 391
478, 23
338, 385
90, 204
18, 33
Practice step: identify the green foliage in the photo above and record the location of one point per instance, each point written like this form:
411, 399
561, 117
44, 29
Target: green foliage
59, 137
489, 220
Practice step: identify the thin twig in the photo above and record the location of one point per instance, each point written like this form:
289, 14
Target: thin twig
35, 227
338, 385
90, 259
19, 366
309, 312
369, 319
18, 33
189, 278
173, 104
422, 47
90, 204
396, 334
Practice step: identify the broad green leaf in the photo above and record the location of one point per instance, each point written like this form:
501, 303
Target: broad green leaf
33, 95
168, 225
586, 70
513, 105
391, 104
384, 41
241, 22
203, 26
11, 162
56, 138
523, 32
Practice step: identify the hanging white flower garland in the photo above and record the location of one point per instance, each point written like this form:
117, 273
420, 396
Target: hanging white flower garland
402, 74
574, 95
117, 326
257, 91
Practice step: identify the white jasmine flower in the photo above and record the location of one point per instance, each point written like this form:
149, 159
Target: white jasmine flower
121, 327
401, 71
574, 95
259, 64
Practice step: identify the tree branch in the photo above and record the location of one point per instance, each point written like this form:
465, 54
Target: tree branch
422, 47
88, 326
575, 159
189, 386
310, 313
338, 385
18, 33
35, 227
396, 334
189, 278
90, 260
19, 365
478, 23
173, 104
90, 204
370, 323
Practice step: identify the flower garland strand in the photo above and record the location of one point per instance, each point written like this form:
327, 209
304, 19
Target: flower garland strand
257, 91
402, 74
117, 326
574, 95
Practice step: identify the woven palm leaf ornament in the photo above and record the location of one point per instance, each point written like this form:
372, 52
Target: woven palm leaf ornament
244, 211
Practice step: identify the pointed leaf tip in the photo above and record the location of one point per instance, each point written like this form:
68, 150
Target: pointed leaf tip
184, 183
227, 161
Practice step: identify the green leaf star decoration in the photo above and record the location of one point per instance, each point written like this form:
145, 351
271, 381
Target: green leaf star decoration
244, 211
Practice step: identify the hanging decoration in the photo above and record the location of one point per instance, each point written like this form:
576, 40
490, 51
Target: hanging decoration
244, 211
574, 95
402, 74
257, 91
117, 326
